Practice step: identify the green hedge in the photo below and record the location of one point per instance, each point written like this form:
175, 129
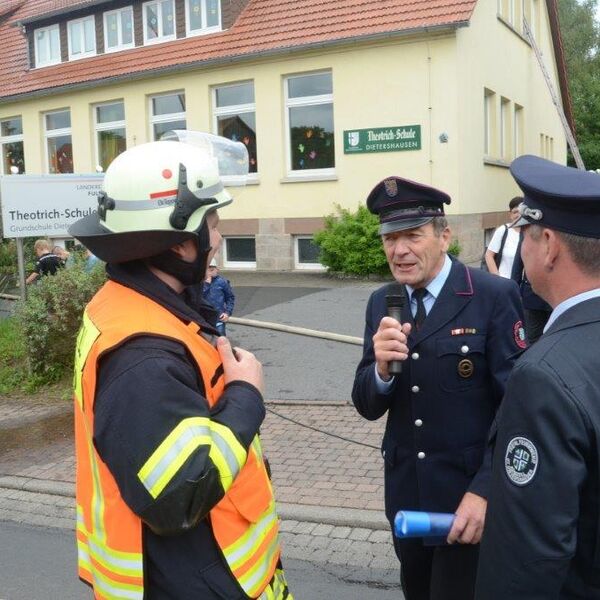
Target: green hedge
350, 243
50, 318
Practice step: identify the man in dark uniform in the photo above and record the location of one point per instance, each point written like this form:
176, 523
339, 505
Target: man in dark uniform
537, 310
542, 536
460, 332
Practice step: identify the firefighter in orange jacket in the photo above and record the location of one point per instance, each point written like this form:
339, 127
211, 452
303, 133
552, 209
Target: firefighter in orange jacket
173, 496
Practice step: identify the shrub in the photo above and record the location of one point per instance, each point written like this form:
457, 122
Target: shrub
13, 363
455, 248
350, 243
50, 317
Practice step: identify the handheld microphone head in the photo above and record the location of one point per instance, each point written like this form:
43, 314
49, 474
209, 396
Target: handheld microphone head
395, 300
396, 297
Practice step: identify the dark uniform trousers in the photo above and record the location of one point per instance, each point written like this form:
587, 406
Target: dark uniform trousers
437, 572
439, 413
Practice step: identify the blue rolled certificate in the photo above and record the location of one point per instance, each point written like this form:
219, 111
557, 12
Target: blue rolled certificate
410, 523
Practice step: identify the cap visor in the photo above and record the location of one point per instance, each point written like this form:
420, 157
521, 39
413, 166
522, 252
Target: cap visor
402, 224
520, 222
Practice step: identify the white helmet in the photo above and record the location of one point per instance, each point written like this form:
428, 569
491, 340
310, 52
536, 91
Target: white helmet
154, 196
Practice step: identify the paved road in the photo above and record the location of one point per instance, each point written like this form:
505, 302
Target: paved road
38, 563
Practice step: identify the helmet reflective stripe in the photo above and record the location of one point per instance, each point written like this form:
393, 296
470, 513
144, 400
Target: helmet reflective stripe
162, 201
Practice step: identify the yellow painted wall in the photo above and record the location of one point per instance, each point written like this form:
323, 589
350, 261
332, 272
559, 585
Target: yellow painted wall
434, 80
491, 55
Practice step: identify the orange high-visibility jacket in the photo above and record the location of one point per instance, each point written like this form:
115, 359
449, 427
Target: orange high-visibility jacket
109, 534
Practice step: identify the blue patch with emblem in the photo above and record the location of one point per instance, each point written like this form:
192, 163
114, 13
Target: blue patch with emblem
521, 460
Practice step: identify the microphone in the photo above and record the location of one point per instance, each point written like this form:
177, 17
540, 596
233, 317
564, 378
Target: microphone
395, 300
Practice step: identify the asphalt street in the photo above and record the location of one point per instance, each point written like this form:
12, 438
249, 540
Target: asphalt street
298, 367
39, 563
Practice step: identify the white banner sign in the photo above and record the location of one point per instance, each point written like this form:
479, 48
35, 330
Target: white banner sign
46, 205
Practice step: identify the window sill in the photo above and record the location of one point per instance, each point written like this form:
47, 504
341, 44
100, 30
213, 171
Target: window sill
496, 162
512, 28
307, 178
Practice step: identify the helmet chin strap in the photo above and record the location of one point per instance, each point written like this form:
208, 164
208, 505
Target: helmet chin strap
188, 273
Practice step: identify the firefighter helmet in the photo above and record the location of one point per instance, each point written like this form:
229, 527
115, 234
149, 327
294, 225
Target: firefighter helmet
154, 196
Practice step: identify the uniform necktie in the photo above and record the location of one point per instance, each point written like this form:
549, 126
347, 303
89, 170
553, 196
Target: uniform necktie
420, 315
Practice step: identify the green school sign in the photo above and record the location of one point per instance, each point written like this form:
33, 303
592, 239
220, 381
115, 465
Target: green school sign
382, 139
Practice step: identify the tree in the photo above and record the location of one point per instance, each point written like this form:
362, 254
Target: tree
581, 42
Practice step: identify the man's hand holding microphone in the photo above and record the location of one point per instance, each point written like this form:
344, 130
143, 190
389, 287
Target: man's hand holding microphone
390, 340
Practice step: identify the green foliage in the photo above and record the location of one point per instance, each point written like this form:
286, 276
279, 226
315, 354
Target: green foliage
581, 42
350, 243
455, 248
50, 318
13, 363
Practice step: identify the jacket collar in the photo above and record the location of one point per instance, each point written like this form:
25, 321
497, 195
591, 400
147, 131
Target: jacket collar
188, 306
585, 312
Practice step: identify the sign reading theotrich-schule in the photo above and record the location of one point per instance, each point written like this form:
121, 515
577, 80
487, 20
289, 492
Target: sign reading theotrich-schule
46, 205
382, 139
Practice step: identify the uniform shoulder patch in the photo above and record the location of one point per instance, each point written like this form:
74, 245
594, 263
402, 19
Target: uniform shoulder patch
519, 334
521, 460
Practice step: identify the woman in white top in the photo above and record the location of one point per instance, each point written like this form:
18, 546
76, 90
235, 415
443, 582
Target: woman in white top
511, 242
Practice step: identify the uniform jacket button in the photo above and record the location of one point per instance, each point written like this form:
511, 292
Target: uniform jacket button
418, 422
464, 349
421, 455
415, 388
415, 356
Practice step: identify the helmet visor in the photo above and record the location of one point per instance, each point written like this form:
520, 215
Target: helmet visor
231, 157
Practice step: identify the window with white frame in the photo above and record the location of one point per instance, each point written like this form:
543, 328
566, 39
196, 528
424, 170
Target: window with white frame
167, 112
234, 116
47, 46
59, 148
11, 143
82, 37
518, 131
159, 21
109, 121
309, 123
202, 16
505, 124
118, 29
489, 99
306, 253
239, 252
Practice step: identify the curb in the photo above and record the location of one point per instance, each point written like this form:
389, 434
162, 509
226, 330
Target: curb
327, 515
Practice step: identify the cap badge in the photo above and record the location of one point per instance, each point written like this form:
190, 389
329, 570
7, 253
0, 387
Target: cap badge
532, 213
521, 460
391, 187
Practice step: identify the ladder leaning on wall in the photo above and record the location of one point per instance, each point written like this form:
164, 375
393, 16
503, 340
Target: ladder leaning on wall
561, 113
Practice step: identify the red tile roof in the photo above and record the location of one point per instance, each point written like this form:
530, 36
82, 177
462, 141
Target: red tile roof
265, 26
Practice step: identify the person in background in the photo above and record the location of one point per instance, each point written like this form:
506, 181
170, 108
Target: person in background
502, 248
537, 310
47, 263
460, 333
542, 535
217, 290
91, 260
64, 256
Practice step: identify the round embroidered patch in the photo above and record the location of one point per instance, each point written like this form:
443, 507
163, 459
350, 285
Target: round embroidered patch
521, 460
519, 333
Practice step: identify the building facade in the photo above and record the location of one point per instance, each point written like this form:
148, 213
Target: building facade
329, 97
